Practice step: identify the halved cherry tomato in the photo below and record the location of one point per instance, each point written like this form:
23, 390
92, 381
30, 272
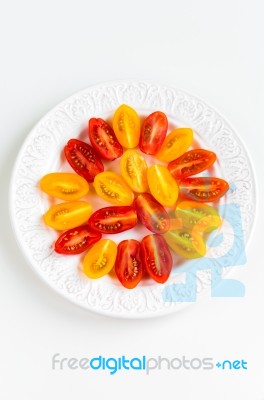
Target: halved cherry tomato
100, 259
76, 240
162, 186
156, 257
175, 144
151, 213
134, 170
126, 124
64, 185
153, 132
203, 189
191, 163
68, 215
114, 219
128, 266
83, 159
198, 216
112, 187
186, 243
103, 139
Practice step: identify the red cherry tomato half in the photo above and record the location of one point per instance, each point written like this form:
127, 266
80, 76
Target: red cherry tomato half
190, 163
114, 219
151, 213
128, 266
76, 240
104, 140
203, 189
153, 132
83, 159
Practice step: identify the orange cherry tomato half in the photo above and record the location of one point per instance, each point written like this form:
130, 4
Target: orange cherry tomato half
114, 219
64, 185
134, 170
100, 259
128, 265
76, 240
68, 215
162, 186
103, 139
153, 132
175, 144
198, 216
156, 257
203, 189
126, 125
190, 163
112, 187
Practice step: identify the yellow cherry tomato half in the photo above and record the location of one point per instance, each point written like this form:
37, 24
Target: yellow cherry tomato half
134, 170
162, 185
68, 215
100, 259
126, 125
186, 243
175, 144
112, 187
64, 185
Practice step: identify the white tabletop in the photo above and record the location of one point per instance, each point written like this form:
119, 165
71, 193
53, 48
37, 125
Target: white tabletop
51, 49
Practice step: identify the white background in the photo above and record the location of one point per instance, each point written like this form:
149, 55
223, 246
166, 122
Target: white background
51, 49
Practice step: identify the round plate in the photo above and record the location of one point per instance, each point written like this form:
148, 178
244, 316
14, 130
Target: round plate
41, 153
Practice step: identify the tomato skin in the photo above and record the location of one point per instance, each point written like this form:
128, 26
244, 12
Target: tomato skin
64, 185
153, 133
100, 259
203, 189
134, 170
112, 187
175, 144
68, 215
114, 219
126, 125
156, 257
191, 163
151, 213
128, 266
162, 186
186, 243
103, 139
198, 216
76, 240
83, 159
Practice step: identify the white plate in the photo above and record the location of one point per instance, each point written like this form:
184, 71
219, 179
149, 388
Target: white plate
41, 153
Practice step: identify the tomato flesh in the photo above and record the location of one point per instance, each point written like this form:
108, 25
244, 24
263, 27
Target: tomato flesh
83, 159
156, 257
126, 125
151, 213
162, 186
203, 189
134, 170
64, 185
186, 243
175, 144
76, 240
198, 216
128, 266
113, 219
100, 259
191, 163
104, 140
112, 187
153, 133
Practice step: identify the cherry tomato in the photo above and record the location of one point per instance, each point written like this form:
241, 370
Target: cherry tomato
175, 144
198, 216
64, 185
190, 163
100, 259
203, 189
186, 243
162, 186
83, 159
134, 170
68, 215
153, 132
112, 187
114, 219
128, 266
126, 124
151, 213
104, 140
76, 240
156, 257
